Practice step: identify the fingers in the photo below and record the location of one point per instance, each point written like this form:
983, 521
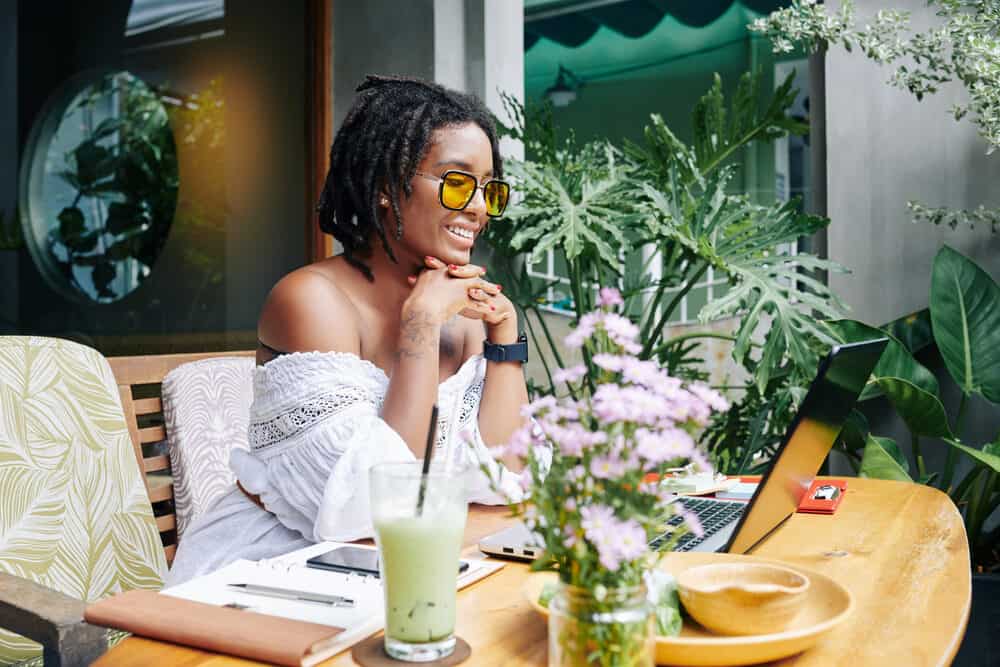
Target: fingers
466, 271
483, 291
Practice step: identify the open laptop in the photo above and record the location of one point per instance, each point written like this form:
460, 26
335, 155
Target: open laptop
736, 526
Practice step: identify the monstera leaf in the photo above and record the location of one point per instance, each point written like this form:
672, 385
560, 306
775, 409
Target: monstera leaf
578, 210
742, 241
965, 314
720, 132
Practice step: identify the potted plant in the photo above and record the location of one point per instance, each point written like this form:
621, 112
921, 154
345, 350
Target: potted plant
965, 320
588, 499
665, 207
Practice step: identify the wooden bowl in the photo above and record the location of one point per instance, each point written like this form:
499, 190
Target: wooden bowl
742, 598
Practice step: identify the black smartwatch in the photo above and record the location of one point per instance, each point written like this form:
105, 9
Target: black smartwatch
514, 352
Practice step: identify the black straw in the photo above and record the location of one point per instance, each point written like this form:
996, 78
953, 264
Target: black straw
428, 452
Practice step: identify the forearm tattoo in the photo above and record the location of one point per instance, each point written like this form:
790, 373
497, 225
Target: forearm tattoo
417, 335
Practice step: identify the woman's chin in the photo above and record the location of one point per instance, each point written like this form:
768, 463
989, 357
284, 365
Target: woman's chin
457, 257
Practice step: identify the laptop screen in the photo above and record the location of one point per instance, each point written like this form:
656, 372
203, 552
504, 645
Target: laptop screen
831, 397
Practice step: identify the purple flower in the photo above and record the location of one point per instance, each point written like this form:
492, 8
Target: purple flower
631, 540
608, 557
596, 521
607, 467
583, 331
538, 406
622, 331
710, 396
609, 296
663, 445
569, 537
521, 441
611, 362
691, 519
571, 374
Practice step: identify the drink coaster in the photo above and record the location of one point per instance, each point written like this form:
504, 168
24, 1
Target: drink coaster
371, 653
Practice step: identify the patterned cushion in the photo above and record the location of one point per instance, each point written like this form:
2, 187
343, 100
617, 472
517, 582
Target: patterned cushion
206, 407
74, 514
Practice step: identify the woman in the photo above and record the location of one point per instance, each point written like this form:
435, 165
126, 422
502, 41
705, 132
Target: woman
355, 349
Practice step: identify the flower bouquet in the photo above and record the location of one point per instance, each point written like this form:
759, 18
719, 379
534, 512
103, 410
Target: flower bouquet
589, 497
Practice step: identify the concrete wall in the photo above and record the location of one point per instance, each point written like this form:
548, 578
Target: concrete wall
885, 148
471, 45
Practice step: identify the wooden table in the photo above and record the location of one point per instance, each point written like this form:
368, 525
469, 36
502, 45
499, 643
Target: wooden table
900, 548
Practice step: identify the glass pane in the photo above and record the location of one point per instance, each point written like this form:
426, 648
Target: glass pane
102, 187
163, 171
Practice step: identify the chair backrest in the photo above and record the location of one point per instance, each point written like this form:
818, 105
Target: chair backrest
206, 410
74, 515
139, 380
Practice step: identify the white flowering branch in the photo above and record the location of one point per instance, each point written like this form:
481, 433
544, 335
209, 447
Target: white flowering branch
964, 47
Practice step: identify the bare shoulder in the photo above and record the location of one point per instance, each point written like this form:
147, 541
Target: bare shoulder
306, 311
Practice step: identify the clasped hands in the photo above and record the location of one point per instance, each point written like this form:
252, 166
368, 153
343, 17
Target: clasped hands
444, 290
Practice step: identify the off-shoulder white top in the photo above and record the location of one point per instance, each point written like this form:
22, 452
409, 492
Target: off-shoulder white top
315, 430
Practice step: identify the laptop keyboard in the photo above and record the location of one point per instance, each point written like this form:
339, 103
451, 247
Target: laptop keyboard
713, 514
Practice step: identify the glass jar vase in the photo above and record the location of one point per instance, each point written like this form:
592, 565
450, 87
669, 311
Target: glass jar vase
605, 627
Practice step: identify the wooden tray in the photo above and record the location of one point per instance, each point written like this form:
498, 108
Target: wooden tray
826, 606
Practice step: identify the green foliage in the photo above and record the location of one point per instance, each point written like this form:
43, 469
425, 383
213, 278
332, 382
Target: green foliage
977, 217
125, 170
921, 410
573, 207
597, 205
963, 47
743, 439
883, 460
720, 132
965, 312
965, 302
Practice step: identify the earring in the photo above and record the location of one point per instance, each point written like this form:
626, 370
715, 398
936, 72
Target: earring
383, 201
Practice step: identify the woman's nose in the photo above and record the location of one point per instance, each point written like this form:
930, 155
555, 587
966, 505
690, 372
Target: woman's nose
478, 204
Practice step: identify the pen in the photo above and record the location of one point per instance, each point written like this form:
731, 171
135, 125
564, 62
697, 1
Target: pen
291, 594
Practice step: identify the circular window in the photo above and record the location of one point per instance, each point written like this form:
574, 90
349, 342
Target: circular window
98, 186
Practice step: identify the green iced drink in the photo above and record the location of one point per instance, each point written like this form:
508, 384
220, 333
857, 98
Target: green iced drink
418, 557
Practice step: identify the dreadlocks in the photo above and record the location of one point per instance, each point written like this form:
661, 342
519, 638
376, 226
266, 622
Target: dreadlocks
378, 148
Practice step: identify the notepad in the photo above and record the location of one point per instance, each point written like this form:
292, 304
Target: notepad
346, 625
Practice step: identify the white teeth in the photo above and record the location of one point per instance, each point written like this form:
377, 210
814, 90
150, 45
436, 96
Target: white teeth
461, 231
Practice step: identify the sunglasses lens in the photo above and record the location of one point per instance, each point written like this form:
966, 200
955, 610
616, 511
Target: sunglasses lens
457, 190
496, 193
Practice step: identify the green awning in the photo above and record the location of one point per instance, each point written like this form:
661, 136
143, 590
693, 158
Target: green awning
669, 47
572, 23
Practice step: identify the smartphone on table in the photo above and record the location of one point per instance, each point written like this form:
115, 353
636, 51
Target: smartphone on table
355, 560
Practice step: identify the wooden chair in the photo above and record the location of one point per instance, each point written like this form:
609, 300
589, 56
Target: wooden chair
138, 379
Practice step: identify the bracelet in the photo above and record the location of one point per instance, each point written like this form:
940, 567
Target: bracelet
514, 352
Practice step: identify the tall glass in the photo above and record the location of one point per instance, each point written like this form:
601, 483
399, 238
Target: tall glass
418, 556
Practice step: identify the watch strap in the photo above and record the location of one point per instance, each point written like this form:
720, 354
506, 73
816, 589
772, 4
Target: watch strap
513, 352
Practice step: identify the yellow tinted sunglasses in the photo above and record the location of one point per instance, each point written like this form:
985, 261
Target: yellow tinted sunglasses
458, 188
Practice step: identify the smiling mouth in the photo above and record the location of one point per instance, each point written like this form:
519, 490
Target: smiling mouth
462, 233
